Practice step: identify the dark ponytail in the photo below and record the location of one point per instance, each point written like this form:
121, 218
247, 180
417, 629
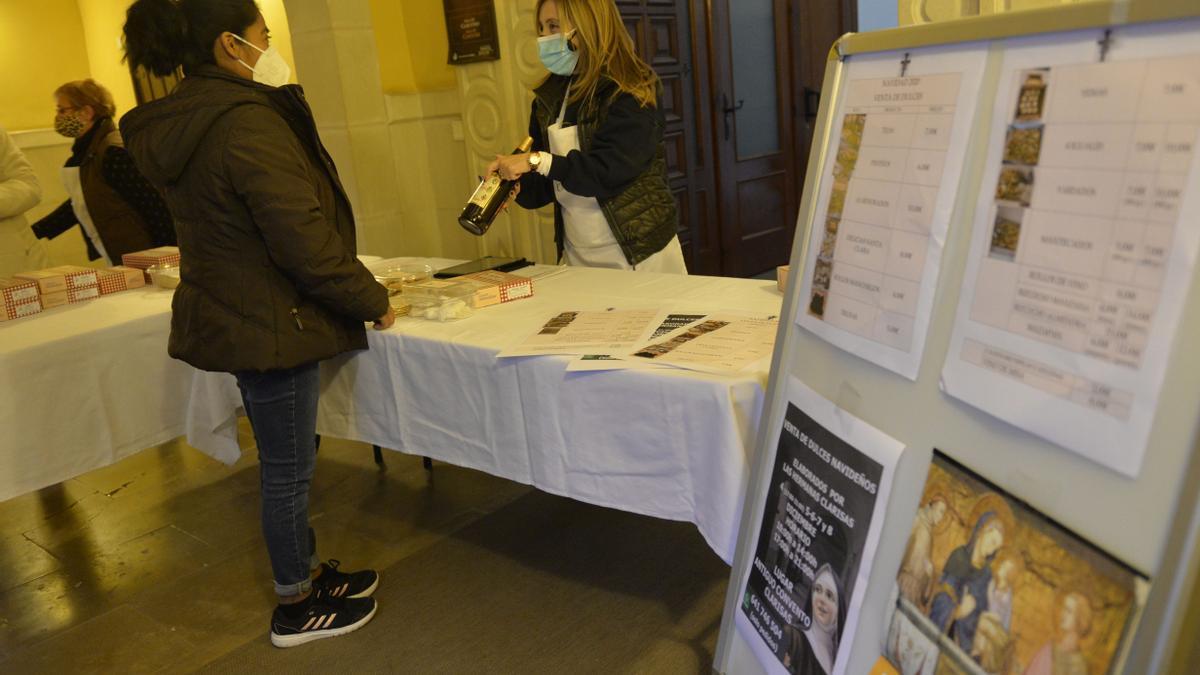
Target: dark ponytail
161, 35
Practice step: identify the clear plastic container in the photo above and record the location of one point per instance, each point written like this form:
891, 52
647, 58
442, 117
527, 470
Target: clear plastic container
164, 275
438, 300
394, 277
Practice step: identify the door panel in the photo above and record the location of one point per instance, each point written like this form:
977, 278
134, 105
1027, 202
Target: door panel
820, 24
712, 55
756, 159
670, 35
755, 74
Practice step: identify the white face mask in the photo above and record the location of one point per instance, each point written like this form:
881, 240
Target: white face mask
271, 69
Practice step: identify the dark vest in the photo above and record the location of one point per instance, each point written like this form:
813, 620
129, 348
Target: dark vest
119, 225
643, 218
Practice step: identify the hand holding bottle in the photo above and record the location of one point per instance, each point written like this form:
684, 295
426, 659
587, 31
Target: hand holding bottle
495, 190
510, 167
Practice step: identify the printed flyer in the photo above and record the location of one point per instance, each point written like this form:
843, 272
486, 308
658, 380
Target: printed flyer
611, 332
829, 486
886, 199
1084, 241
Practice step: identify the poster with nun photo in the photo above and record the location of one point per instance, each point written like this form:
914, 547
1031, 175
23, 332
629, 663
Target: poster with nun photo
830, 480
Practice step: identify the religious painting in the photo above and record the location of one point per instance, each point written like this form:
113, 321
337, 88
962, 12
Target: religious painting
988, 585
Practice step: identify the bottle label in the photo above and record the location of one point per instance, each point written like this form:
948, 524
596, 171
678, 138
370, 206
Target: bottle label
486, 190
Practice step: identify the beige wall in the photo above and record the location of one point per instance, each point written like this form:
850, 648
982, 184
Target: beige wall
925, 11
390, 110
412, 46
41, 46
86, 35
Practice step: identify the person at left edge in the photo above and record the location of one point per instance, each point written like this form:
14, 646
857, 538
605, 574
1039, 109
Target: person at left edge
118, 210
19, 192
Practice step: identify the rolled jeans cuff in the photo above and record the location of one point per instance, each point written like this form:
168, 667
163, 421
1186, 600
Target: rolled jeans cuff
288, 590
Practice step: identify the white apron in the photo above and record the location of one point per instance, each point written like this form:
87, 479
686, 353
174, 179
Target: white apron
70, 179
588, 240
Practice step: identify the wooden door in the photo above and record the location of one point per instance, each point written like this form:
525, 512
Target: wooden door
768, 65
670, 35
815, 26
756, 166
741, 83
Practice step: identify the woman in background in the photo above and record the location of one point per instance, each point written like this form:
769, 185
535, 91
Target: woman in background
598, 152
19, 192
270, 284
118, 210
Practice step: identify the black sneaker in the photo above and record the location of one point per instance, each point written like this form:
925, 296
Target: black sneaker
324, 618
338, 585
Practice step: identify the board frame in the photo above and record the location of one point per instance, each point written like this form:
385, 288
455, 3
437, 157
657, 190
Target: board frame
1174, 568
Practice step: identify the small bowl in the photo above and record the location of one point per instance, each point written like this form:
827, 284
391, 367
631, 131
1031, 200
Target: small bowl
394, 278
164, 275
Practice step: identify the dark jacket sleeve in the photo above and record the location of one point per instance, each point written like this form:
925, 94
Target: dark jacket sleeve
56, 222
622, 149
122, 176
536, 190
268, 167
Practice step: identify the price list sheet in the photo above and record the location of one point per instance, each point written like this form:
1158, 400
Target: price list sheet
1084, 240
886, 200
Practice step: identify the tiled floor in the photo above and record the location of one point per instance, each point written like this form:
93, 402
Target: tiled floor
156, 564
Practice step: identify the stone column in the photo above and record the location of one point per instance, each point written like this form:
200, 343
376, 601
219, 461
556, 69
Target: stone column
338, 65
497, 96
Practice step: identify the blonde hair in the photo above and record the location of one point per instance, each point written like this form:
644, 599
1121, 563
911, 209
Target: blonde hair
89, 93
606, 50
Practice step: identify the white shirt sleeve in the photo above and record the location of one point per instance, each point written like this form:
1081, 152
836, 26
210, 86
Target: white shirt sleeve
543, 166
19, 188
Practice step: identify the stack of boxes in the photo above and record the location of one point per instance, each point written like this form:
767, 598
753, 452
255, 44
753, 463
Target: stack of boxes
52, 287
18, 298
495, 287
120, 278
29, 293
82, 282
143, 260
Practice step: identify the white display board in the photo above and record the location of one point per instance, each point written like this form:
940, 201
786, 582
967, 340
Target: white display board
1137, 511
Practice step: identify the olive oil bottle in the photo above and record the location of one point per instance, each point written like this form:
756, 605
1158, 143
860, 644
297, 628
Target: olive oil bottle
480, 211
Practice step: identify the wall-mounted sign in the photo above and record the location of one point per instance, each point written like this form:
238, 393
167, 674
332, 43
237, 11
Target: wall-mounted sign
471, 26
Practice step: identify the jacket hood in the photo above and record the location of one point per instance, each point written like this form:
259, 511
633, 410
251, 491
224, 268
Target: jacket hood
163, 135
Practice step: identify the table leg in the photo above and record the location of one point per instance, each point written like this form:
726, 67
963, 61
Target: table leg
378, 454
427, 463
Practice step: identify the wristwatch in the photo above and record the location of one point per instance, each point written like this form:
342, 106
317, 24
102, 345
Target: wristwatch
535, 158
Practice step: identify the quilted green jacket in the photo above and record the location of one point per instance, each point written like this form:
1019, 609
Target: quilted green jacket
621, 162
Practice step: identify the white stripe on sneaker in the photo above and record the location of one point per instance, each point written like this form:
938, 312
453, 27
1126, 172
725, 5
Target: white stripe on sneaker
310, 623
284, 641
330, 621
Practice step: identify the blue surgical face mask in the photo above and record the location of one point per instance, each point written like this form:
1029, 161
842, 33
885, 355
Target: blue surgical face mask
556, 54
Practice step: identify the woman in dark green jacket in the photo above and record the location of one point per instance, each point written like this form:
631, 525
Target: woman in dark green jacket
598, 152
270, 282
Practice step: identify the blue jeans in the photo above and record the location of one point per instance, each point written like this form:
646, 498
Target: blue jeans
282, 407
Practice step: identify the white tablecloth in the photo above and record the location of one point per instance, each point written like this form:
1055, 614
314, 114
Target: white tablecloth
86, 385
666, 443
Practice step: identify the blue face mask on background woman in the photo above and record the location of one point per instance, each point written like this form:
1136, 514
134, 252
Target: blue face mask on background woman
557, 55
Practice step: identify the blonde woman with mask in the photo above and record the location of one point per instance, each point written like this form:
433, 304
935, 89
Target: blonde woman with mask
598, 152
